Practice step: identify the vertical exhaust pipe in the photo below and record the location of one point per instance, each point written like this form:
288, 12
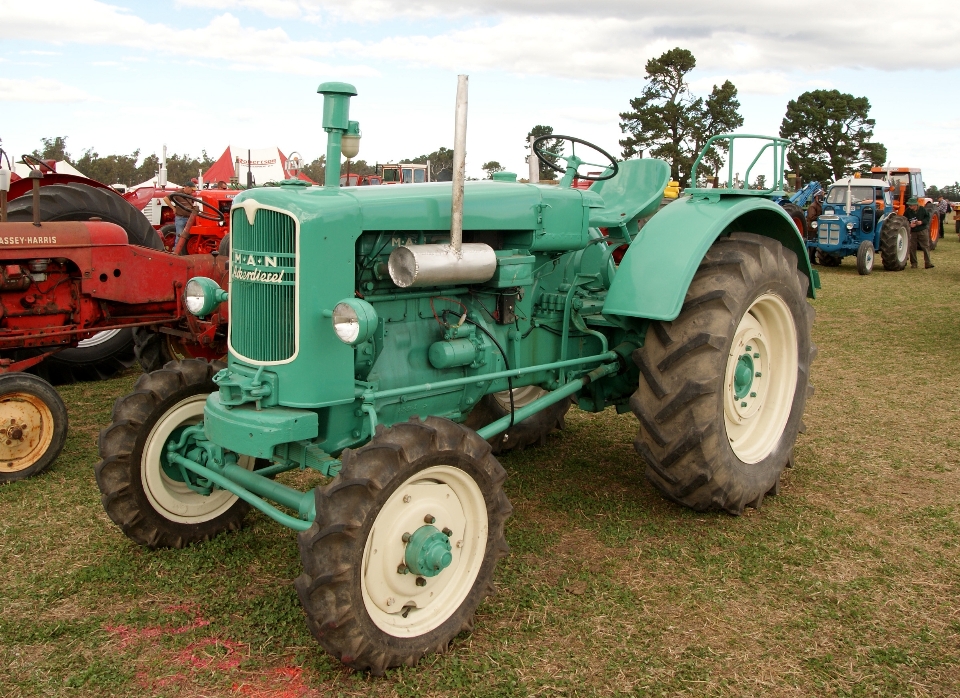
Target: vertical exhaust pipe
459, 166
454, 263
533, 164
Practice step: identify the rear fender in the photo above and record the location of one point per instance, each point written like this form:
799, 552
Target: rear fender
652, 279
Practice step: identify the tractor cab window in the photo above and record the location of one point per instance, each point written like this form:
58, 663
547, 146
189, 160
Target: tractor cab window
419, 176
916, 185
407, 175
391, 175
858, 195
373, 179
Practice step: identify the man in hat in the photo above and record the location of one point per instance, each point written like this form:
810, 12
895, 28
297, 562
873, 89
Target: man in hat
181, 213
918, 218
815, 209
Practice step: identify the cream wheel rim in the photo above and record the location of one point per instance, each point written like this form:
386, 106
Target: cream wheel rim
172, 498
760, 378
26, 431
903, 246
521, 397
393, 600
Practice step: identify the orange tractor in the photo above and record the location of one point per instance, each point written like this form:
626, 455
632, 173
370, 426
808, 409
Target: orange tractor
907, 182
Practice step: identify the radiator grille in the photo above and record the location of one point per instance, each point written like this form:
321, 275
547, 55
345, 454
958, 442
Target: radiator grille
830, 232
263, 283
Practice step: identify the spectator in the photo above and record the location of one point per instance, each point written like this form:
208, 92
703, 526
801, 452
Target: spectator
919, 219
815, 208
943, 207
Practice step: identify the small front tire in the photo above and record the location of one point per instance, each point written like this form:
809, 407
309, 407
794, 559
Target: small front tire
865, 258
144, 498
360, 604
33, 426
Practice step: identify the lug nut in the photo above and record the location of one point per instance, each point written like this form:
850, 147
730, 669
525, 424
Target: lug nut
405, 537
406, 499
447, 532
421, 582
748, 347
402, 568
757, 374
756, 354
391, 601
429, 519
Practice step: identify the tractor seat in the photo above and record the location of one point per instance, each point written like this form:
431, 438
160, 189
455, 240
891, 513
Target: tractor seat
634, 193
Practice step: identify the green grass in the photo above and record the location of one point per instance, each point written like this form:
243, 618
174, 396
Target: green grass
844, 585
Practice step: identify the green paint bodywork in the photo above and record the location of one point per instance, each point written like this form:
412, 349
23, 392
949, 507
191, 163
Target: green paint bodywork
557, 313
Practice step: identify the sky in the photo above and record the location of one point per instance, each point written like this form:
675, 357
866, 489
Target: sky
202, 74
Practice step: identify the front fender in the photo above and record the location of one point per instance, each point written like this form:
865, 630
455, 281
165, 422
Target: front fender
652, 279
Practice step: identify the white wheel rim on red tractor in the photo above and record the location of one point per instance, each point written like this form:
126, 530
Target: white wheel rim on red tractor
760, 379
172, 498
394, 601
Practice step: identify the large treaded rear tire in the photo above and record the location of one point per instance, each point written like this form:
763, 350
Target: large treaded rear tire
683, 365
80, 202
894, 243
120, 473
336, 570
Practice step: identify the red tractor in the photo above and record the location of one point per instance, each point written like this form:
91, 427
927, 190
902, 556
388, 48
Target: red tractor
79, 264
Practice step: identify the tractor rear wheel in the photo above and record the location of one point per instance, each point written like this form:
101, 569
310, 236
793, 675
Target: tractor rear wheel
797, 216
865, 258
33, 426
894, 243
405, 544
102, 355
531, 431
145, 497
723, 387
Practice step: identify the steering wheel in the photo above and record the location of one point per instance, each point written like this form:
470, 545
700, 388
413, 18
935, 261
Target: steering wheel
36, 164
572, 160
179, 198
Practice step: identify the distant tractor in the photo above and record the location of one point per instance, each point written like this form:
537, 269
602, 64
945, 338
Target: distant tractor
905, 183
859, 219
405, 173
395, 340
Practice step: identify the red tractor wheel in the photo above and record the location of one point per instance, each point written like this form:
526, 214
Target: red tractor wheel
935, 232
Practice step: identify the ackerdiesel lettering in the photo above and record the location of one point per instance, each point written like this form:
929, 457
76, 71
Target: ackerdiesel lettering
257, 275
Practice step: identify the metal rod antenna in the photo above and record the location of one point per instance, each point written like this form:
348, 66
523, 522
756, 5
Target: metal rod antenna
533, 164
459, 165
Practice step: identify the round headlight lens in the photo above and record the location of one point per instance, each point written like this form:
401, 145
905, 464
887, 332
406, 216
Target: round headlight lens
194, 297
814, 225
850, 225
346, 323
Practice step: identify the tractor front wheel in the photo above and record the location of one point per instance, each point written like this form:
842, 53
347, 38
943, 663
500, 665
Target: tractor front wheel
723, 386
894, 243
828, 260
404, 546
142, 493
865, 258
33, 426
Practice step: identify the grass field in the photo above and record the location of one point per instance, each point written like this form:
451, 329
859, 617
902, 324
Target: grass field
845, 584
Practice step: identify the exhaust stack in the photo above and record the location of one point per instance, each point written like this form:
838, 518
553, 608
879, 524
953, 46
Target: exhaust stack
455, 263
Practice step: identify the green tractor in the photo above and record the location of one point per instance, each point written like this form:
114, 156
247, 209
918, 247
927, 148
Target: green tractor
396, 339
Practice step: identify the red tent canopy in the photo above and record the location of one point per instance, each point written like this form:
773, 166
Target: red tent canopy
266, 164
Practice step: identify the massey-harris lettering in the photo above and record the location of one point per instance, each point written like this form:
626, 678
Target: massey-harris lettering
47, 240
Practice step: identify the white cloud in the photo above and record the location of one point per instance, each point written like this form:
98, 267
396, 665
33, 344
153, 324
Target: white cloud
40, 90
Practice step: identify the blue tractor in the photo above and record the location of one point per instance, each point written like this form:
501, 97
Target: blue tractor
859, 219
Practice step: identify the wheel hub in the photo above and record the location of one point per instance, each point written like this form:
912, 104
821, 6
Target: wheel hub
428, 552
26, 430
743, 376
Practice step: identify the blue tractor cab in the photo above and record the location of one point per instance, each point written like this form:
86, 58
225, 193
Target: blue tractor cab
859, 220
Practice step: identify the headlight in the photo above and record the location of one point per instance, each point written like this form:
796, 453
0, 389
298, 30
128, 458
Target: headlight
850, 225
354, 320
202, 295
814, 225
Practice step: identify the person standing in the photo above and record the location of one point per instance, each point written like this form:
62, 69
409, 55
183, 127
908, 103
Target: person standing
815, 209
181, 213
919, 219
943, 207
